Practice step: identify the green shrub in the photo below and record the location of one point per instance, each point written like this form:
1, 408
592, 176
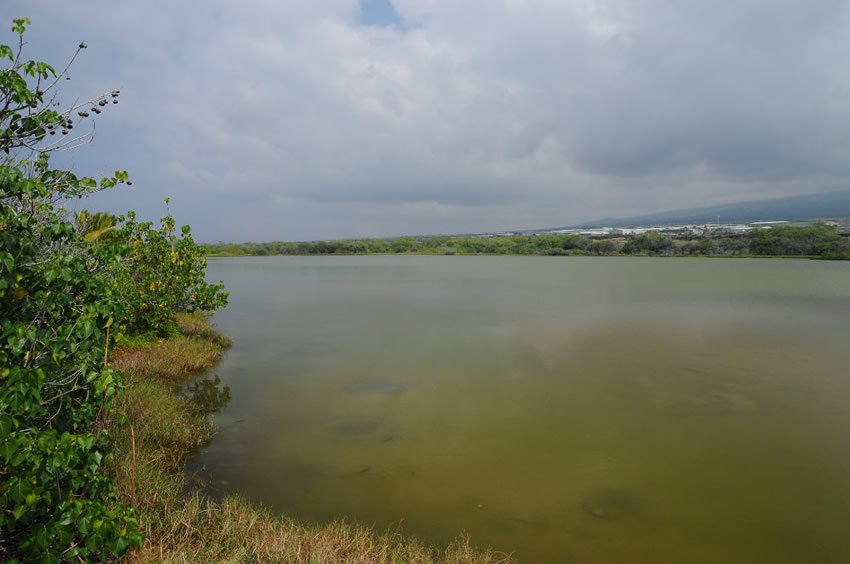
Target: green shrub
163, 274
63, 291
57, 305
816, 239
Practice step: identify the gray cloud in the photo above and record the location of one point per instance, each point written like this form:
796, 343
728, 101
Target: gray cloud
269, 119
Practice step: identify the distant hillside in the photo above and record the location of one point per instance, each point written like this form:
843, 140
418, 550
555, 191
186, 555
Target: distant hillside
815, 206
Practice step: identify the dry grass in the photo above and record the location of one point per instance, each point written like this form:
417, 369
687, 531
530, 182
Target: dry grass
245, 533
162, 431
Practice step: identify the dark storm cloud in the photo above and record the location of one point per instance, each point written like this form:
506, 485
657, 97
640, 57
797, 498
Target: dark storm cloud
448, 190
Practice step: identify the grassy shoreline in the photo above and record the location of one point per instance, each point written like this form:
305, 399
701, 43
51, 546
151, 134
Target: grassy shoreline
163, 427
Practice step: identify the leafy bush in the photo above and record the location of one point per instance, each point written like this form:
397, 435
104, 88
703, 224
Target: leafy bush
56, 308
163, 274
63, 290
815, 239
651, 243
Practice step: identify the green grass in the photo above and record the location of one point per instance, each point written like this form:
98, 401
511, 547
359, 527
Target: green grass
161, 431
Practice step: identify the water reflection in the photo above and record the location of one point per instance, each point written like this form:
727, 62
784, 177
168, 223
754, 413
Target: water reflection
206, 394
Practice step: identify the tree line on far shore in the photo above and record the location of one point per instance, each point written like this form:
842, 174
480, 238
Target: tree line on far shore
816, 240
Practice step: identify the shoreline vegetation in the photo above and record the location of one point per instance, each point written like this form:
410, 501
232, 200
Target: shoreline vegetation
815, 241
165, 407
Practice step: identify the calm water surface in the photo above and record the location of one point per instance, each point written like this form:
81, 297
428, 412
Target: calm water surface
563, 409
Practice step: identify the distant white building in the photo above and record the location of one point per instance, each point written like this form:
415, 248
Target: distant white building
767, 224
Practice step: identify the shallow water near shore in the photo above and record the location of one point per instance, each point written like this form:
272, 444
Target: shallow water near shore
561, 409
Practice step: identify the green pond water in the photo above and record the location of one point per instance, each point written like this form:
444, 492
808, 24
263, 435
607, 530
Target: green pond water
560, 409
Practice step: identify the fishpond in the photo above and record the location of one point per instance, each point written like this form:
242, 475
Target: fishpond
560, 409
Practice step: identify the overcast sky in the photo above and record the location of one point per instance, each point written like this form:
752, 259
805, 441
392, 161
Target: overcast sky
315, 119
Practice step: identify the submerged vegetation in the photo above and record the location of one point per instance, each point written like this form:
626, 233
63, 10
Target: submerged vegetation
164, 427
817, 240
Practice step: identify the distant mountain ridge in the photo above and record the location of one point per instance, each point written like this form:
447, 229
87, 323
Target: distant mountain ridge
825, 205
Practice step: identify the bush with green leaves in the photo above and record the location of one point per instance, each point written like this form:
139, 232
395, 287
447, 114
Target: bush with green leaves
163, 274
811, 240
649, 243
56, 308
58, 303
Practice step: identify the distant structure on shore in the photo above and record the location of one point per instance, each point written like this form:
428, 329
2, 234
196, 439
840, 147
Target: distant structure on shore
683, 230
